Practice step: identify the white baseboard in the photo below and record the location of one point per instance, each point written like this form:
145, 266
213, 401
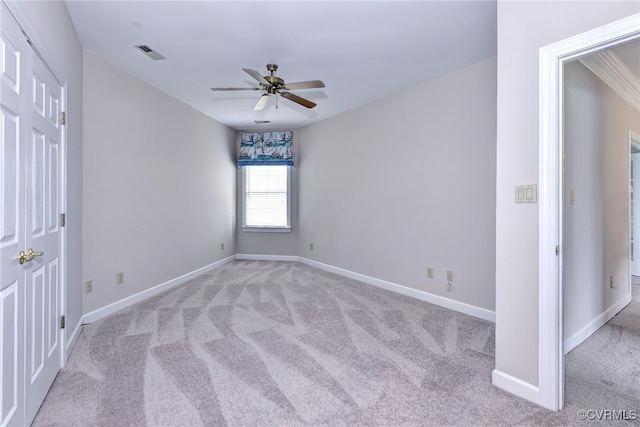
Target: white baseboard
256, 257
514, 386
140, 296
458, 306
461, 307
584, 333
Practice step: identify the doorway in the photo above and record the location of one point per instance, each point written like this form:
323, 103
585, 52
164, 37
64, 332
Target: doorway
634, 203
596, 228
31, 232
552, 61
597, 213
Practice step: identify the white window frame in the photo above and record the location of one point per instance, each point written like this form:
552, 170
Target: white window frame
266, 229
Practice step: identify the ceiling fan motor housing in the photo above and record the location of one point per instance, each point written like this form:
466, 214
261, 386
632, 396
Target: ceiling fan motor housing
276, 83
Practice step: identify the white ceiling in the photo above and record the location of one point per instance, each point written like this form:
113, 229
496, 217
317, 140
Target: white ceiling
361, 50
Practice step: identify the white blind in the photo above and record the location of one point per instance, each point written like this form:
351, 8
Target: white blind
265, 196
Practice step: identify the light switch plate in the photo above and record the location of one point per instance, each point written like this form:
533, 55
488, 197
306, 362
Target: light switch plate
527, 193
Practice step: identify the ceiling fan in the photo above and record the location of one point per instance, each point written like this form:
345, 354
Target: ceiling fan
275, 85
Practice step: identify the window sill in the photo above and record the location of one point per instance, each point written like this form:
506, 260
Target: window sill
267, 229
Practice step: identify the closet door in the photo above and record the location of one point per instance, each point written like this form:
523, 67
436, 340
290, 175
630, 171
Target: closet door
12, 219
30, 233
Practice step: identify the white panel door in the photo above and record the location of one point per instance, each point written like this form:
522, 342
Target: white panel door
43, 236
12, 224
31, 100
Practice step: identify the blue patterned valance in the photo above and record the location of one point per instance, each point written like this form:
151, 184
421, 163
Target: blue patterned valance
265, 148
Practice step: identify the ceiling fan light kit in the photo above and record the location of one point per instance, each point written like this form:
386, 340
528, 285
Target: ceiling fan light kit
274, 85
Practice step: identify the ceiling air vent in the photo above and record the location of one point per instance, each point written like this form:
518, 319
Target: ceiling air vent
149, 52
261, 122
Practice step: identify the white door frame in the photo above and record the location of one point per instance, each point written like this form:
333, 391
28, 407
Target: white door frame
634, 142
551, 150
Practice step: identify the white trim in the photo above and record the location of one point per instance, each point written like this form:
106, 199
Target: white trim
256, 257
634, 142
458, 306
266, 229
140, 296
64, 265
515, 386
550, 295
552, 59
584, 333
616, 74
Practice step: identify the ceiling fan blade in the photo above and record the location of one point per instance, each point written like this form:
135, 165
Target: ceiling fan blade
218, 89
304, 85
297, 99
262, 102
256, 75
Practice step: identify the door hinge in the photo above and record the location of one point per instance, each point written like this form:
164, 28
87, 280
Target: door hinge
63, 220
63, 322
63, 118
557, 249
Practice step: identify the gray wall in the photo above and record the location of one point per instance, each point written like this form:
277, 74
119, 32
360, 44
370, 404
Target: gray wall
596, 227
159, 187
407, 183
49, 25
523, 28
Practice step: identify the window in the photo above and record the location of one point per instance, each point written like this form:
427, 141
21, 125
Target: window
266, 160
266, 198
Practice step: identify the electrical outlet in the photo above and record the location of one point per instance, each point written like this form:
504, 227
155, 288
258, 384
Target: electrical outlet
222, 246
88, 286
120, 278
448, 286
429, 272
310, 246
450, 276
611, 284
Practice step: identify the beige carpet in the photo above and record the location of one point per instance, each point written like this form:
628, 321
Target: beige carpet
257, 343
603, 373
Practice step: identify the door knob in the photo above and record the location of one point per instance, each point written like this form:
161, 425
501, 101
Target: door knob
28, 256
